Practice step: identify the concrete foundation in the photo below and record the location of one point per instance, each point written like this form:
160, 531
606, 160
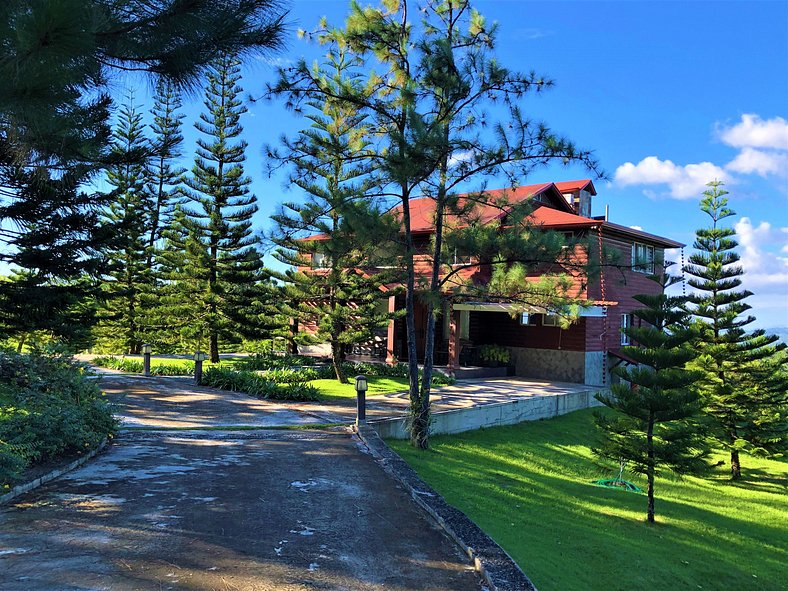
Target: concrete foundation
594, 368
493, 415
549, 364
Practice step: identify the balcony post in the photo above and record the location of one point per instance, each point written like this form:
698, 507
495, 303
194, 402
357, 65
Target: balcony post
454, 340
390, 337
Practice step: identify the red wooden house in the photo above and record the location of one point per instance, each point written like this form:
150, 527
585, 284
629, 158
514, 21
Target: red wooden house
539, 348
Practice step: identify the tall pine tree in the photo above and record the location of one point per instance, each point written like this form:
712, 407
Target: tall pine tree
653, 425
127, 216
744, 377
341, 297
212, 254
427, 92
163, 175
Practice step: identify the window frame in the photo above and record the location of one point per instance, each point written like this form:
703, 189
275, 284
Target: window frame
644, 264
626, 322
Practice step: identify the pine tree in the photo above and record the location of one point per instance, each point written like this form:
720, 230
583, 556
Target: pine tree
128, 216
653, 427
58, 63
428, 106
214, 257
744, 378
337, 296
164, 177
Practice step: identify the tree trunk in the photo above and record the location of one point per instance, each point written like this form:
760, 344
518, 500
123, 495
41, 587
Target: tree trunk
650, 468
214, 348
735, 465
21, 344
336, 360
418, 427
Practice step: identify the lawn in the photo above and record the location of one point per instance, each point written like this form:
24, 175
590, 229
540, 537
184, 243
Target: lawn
377, 386
529, 487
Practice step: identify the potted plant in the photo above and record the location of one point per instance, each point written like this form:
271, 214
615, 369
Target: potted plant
494, 355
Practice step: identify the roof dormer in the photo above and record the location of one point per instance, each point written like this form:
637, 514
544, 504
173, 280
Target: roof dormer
578, 194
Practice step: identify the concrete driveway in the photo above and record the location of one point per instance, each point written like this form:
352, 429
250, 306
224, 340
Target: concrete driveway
216, 509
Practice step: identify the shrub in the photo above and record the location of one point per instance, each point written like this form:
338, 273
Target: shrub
291, 376
266, 361
257, 385
136, 366
381, 370
48, 408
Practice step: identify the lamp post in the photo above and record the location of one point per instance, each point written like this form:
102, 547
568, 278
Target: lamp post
199, 357
361, 402
146, 351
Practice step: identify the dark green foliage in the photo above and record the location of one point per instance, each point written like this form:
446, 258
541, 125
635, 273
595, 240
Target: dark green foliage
211, 259
135, 366
292, 376
654, 428
745, 380
257, 385
426, 95
47, 409
58, 62
163, 176
263, 361
36, 312
127, 218
341, 295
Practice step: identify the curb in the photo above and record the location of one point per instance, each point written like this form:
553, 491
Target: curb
491, 561
21, 489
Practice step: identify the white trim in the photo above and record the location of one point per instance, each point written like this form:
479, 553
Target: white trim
589, 312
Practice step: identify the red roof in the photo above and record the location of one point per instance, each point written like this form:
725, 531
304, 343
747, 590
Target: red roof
422, 210
572, 186
547, 216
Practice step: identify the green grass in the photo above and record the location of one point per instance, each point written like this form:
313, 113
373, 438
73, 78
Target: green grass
377, 386
169, 361
529, 487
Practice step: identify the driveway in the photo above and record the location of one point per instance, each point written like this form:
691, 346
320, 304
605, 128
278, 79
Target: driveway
208, 509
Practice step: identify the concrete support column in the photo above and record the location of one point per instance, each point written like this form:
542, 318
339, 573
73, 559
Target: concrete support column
454, 339
390, 336
292, 347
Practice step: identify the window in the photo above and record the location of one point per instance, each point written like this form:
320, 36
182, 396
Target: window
549, 320
320, 261
626, 322
643, 258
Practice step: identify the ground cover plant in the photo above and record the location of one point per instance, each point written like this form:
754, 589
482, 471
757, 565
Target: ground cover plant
529, 487
48, 409
257, 385
158, 367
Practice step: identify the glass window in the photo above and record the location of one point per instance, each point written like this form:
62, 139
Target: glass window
643, 258
549, 320
626, 322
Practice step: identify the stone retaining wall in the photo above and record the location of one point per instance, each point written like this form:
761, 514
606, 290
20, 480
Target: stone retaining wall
492, 415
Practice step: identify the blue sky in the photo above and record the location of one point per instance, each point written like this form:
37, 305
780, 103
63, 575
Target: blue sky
669, 95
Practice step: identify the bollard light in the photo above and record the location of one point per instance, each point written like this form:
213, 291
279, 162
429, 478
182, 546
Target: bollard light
361, 402
146, 351
361, 384
199, 357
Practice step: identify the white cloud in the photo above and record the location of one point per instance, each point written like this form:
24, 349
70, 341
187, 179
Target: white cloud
636, 228
760, 162
460, 156
766, 273
754, 132
684, 182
